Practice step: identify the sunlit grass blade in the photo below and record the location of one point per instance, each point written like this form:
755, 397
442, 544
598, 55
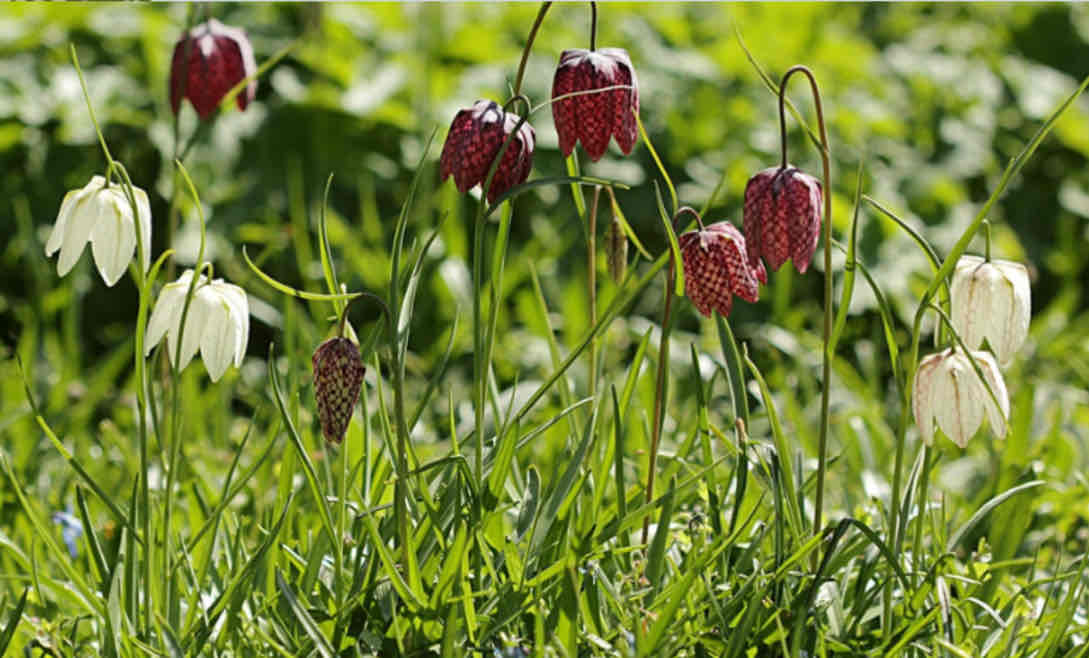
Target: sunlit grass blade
321, 644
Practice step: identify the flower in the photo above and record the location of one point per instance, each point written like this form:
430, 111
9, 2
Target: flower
218, 323
594, 117
220, 57
991, 300
782, 217
476, 135
948, 390
71, 530
715, 268
101, 214
338, 376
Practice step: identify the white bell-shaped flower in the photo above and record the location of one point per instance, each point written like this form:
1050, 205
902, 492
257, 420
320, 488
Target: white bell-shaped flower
949, 392
991, 300
218, 323
102, 215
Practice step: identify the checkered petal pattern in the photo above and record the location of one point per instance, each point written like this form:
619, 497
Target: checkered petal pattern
782, 217
716, 267
338, 376
220, 57
594, 118
475, 138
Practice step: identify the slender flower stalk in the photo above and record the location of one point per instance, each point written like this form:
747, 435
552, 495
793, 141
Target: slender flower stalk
826, 366
591, 283
143, 286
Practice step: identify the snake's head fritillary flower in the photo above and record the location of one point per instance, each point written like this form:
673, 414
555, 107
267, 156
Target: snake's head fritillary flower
949, 394
219, 57
782, 217
581, 114
991, 301
217, 323
338, 377
716, 268
476, 136
102, 215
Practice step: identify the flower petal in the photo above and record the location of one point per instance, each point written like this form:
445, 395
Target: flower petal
922, 399
113, 238
997, 415
143, 208
81, 219
959, 409
217, 341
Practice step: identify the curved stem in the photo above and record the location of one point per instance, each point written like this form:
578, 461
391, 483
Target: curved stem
525, 103
826, 368
529, 46
659, 394
593, 26
689, 210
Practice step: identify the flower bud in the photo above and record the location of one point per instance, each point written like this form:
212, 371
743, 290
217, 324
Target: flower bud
593, 118
782, 217
616, 250
219, 57
338, 377
991, 301
475, 138
716, 268
949, 392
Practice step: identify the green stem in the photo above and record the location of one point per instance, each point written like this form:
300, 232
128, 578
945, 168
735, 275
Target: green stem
826, 367
659, 395
591, 277
924, 481
529, 46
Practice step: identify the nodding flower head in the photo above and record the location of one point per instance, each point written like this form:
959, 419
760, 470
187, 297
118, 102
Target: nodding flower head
592, 117
338, 377
949, 394
991, 300
782, 217
219, 57
101, 214
716, 268
476, 136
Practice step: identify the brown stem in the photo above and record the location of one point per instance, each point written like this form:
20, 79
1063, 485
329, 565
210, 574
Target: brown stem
593, 26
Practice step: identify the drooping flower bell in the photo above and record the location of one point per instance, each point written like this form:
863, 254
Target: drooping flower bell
593, 118
217, 323
338, 377
476, 135
716, 268
102, 215
992, 301
948, 393
782, 217
219, 57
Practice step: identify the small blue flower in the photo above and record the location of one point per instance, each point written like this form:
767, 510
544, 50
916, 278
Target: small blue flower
71, 530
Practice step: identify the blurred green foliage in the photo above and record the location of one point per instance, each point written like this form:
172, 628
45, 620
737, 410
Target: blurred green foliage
931, 99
